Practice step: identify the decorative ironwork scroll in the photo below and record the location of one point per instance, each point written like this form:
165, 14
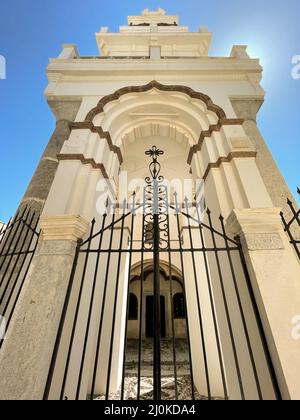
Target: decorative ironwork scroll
155, 202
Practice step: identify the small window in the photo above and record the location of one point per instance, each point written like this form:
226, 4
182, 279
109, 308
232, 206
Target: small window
179, 306
133, 307
155, 52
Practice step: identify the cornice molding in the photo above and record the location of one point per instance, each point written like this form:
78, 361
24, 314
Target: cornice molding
255, 221
84, 161
213, 128
88, 125
89, 66
63, 228
228, 159
211, 106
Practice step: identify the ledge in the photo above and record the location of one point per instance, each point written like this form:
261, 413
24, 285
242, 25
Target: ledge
63, 228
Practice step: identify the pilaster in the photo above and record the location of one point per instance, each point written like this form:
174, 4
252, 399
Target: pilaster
278, 190
275, 272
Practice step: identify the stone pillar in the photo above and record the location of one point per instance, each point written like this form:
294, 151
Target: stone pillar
38, 189
273, 179
275, 275
27, 351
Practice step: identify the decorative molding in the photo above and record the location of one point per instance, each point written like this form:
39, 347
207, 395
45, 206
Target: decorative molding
155, 85
223, 120
228, 159
92, 162
84, 161
50, 159
255, 221
213, 128
64, 110
246, 108
63, 228
87, 125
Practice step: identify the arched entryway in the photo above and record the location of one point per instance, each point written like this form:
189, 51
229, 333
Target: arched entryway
211, 268
172, 304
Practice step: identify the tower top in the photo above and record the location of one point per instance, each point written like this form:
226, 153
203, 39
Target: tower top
156, 17
153, 34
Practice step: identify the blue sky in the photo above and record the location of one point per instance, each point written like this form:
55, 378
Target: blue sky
31, 31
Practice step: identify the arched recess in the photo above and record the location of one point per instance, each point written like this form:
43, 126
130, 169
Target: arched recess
187, 118
180, 107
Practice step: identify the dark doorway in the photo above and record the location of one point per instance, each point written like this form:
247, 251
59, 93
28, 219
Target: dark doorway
149, 316
133, 307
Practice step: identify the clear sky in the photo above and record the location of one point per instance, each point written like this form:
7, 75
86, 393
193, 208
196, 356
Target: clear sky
31, 31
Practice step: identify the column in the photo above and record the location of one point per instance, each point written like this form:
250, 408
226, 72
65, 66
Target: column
39, 187
275, 275
26, 354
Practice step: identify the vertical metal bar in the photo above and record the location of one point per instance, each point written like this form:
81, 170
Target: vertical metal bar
62, 397
9, 232
185, 299
198, 303
141, 302
87, 331
3, 231
14, 236
259, 323
25, 254
3, 227
212, 305
156, 288
226, 307
8, 320
128, 296
241, 309
295, 213
292, 240
61, 325
112, 337
172, 308
96, 362
17, 260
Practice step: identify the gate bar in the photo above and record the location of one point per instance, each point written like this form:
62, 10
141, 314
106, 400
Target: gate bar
128, 297
156, 288
184, 292
102, 310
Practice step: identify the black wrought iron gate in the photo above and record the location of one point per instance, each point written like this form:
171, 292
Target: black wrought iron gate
292, 226
18, 243
214, 347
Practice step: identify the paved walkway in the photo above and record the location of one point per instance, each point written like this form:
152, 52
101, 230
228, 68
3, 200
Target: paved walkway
184, 388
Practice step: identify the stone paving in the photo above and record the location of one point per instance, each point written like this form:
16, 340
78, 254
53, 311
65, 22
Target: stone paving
183, 381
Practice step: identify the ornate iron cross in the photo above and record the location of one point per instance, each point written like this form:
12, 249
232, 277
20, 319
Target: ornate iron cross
154, 166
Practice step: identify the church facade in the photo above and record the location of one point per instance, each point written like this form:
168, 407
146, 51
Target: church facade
159, 267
